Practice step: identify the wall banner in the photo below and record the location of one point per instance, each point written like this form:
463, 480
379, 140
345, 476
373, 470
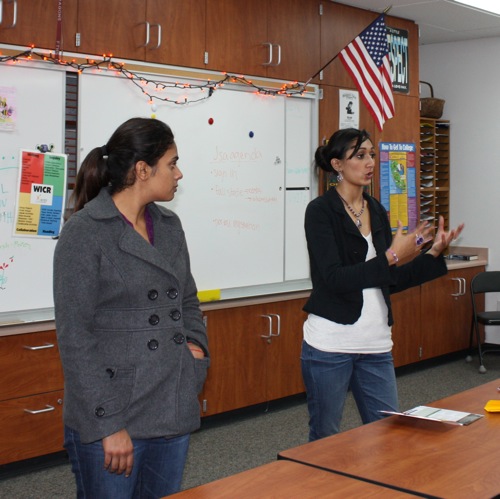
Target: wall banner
399, 59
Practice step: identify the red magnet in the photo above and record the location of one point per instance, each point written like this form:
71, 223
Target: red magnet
210, 121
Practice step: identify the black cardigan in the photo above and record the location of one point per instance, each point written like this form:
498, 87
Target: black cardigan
337, 252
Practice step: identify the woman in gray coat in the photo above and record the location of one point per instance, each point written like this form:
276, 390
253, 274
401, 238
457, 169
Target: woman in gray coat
130, 331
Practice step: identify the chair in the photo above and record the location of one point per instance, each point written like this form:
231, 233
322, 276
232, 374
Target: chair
481, 283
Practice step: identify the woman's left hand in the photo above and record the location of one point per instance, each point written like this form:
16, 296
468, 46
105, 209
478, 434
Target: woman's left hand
196, 351
443, 238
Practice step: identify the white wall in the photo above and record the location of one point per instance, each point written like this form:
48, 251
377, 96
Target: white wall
467, 75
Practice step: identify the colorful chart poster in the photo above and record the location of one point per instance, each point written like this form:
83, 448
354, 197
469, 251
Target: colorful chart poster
398, 186
40, 194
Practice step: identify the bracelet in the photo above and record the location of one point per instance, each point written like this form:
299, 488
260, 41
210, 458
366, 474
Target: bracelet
396, 259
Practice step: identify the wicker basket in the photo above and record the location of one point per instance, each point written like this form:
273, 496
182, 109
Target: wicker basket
431, 107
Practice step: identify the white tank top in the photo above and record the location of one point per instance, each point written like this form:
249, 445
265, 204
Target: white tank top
369, 334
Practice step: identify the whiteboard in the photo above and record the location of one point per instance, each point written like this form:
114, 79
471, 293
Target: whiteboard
37, 95
233, 200
247, 180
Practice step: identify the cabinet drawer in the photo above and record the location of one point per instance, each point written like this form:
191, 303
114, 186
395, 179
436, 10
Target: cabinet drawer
29, 364
23, 434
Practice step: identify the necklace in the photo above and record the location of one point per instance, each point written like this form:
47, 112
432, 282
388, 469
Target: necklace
356, 214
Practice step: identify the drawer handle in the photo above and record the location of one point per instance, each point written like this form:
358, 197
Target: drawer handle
48, 408
40, 347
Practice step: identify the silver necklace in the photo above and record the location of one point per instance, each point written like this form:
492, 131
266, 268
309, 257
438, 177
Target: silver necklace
356, 214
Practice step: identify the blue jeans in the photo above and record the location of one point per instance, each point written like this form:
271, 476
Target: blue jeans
328, 377
157, 471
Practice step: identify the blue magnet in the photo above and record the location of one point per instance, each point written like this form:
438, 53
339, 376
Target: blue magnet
251, 135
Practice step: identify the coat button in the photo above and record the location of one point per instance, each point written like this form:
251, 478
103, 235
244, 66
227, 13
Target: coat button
99, 412
172, 293
153, 344
154, 320
179, 338
175, 315
152, 294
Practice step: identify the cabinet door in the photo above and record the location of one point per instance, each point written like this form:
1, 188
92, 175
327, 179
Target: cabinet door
447, 313
31, 22
255, 355
237, 374
31, 427
236, 32
406, 328
109, 27
182, 28
294, 31
284, 374
29, 364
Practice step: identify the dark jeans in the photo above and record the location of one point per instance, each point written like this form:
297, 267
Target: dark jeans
157, 471
328, 377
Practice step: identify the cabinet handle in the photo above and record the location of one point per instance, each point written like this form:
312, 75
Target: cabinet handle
48, 408
270, 45
147, 34
279, 54
40, 347
14, 14
158, 26
278, 324
464, 289
459, 279
268, 336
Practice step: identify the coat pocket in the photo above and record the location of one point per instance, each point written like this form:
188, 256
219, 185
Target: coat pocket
116, 392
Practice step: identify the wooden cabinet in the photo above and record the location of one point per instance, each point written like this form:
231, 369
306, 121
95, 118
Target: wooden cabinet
169, 32
30, 396
31, 22
433, 319
182, 25
407, 326
110, 28
446, 307
255, 355
277, 39
434, 170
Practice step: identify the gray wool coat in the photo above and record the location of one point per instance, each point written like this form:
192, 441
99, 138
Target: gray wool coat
124, 312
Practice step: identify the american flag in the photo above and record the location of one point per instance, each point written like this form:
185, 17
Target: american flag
366, 59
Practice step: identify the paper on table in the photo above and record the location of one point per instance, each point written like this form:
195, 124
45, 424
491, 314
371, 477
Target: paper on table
442, 415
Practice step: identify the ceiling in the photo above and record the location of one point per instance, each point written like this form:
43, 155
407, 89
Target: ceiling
439, 21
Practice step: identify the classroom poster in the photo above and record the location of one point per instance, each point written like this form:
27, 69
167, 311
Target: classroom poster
8, 106
399, 59
40, 194
348, 109
398, 187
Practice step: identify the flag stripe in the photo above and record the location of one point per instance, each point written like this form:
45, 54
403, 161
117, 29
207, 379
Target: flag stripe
366, 59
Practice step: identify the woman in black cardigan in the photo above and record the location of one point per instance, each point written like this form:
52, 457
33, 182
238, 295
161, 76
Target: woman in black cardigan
353, 257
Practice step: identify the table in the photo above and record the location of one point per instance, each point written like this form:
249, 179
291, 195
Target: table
423, 457
287, 479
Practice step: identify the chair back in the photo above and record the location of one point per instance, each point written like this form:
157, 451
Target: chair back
486, 282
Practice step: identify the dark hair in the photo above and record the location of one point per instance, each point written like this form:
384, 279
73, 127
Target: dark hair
337, 147
138, 139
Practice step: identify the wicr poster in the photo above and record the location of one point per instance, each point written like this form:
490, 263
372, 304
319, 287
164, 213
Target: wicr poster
41, 194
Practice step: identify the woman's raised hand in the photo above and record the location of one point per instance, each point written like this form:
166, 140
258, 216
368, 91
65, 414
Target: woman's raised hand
443, 238
407, 245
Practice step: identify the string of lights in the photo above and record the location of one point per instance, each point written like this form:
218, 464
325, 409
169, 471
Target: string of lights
151, 88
